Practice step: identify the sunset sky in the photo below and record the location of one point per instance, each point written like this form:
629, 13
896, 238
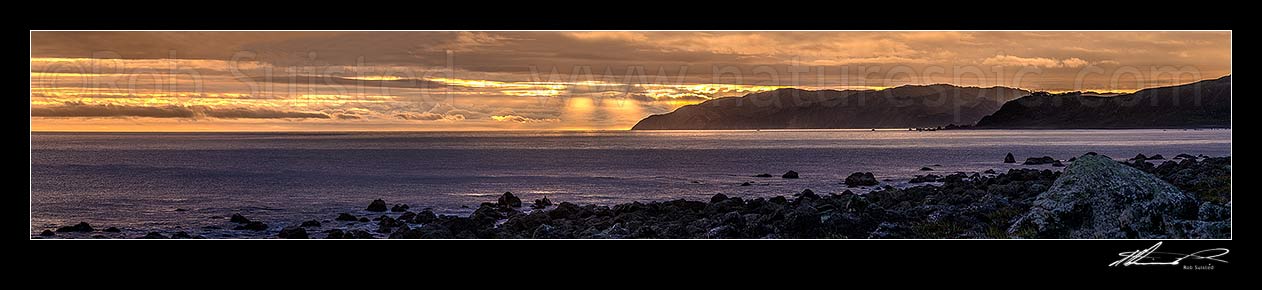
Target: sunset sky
489, 80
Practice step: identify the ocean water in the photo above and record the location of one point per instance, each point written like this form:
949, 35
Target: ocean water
167, 182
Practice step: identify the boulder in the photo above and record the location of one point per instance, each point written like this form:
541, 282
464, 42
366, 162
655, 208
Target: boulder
252, 226
861, 179
47, 233
763, 175
925, 178
1099, 198
718, 197
1039, 160
399, 208
112, 230
541, 203
154, 235
1156, 157
346, 217
926, 169
790, 174
1009, 158
293, 233
377, 206
1057, 164
1140, 157
508, 200
1185, 156
310, 223
240, 219
181, 235
746, 183
81, 227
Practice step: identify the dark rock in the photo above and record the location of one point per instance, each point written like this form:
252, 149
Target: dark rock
424, 217
763, 175
346, 217
252, 226
1156, 157
310, 223
719, 197
1091, 153
238, 218
364, 220
1057, 164
861, 179
180, 209
807, 194
1039, 160
112, 230
293, 233
1009, 158
81, 227
746, 183
926, 169
377, 206
399, 208
925, 178
1099, 198
1140, 157
542, 203
1185, 156
508, 200
47, 233
790, 174
154, 235
181, 235
334, 234
989, 171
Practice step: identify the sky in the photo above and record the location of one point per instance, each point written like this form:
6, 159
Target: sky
552, 80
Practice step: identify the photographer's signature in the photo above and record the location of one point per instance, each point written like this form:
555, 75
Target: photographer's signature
1151, 256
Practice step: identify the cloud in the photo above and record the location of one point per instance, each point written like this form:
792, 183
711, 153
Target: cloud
521, 119
429, 116
1011, 60
78, 109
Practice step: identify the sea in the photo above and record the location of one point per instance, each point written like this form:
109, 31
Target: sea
191, 182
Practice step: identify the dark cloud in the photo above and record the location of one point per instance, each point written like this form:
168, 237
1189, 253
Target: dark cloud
77, 109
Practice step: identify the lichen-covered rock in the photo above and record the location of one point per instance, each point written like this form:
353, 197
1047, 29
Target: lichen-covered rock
1098, 197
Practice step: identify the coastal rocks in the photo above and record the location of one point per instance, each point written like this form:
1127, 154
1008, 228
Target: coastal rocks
310, 223
1097, 197
861, 179
1185, 156
154, 235
181, 235
1156, 157
112, 230
47, 233
399, 208
746, 183
293, 233
541, 203
509, 200
1009, 158
1057, 164
252, 226
925, 178
764, 175
719, 197
81, 227
926, 169
1140, 157
790, 174
346, 217
238, 218
1039, 160
377, 206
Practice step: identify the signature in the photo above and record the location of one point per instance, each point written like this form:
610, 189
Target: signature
1151, 256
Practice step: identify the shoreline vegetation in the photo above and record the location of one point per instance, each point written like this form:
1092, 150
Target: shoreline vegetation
1145, 197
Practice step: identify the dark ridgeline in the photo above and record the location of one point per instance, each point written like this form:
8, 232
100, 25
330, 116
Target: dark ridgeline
1203, 104
899, 107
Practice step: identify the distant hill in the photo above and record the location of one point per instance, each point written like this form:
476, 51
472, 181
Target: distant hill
899, 107
1203, 104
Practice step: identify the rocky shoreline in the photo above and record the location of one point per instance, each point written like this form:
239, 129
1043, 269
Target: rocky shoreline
1095, 197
